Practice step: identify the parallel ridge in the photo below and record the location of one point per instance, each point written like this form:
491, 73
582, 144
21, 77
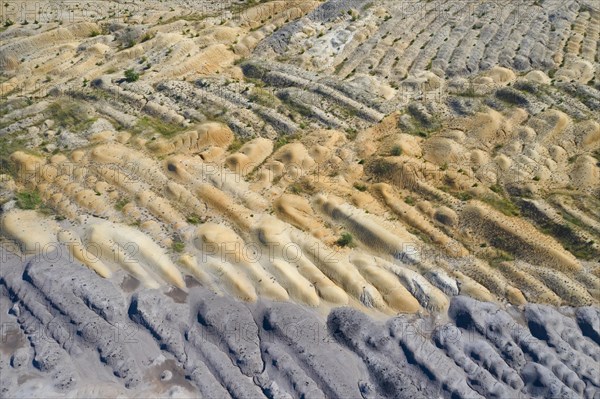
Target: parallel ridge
214, 346
487, 191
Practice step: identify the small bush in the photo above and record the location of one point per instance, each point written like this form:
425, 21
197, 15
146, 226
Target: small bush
28, 200
381, 168
496, 188
351, 133
295, 188
345, 240
178, 246
464, 196
121, 204
360, 187
131, 75
396, 151
146, 37
195, 219
235, 145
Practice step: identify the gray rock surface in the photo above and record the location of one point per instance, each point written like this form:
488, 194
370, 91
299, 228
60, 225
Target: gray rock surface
68, 322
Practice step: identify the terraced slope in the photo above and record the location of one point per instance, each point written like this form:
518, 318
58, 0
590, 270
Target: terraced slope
415, 158
478, 201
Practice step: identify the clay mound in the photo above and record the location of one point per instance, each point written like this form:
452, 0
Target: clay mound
443, 151
214, 128
212, 178
250, 156
205, 136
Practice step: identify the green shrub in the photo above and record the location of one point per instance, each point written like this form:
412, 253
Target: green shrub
28, 200
381, 168
345, 240
131, 75
496, 188
178, 246
121, 204
195, 219
146, 37
360, 187
148, 123
235, 145
70, 115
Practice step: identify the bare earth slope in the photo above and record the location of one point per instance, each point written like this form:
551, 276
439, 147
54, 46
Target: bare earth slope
178, 172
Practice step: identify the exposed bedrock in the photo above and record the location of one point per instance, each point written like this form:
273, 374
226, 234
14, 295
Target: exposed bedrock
218, 346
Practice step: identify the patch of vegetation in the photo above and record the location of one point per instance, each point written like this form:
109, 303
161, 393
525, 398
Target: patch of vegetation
148, 123
423, 125
502, 204
346, 112
500, 256
236, 144
360, 186
463, 195
283, 140
178, 246
70, 115
351, 133
263, 97
131, 75
295, 188
496, 188
381, 168
120, 204
297, 107
529, 87
346, 240
195, 220
8, 145
470, 91
396, 151
28, 200
409, 200
147, 36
